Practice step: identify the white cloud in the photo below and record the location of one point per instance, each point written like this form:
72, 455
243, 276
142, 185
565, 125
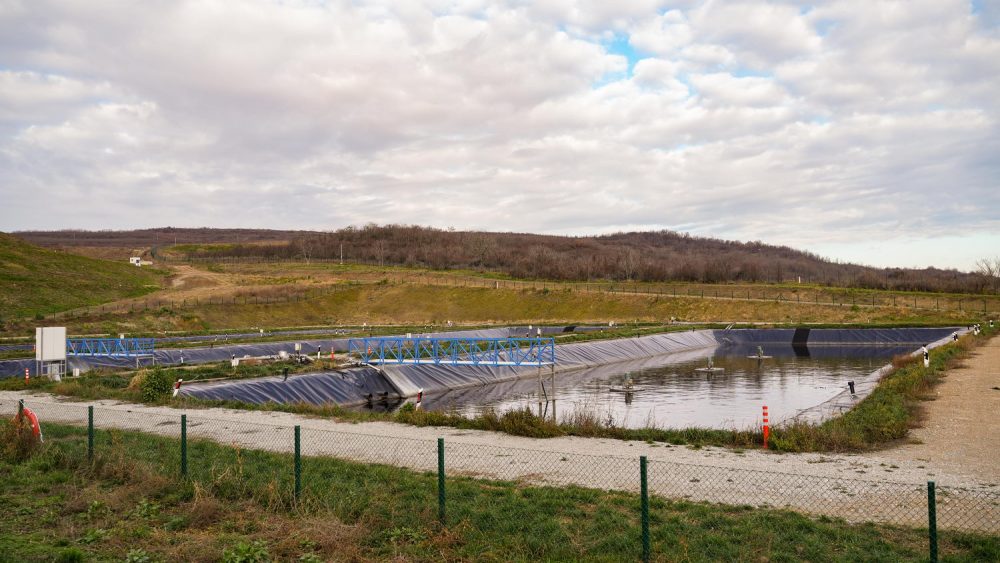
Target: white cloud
842, 123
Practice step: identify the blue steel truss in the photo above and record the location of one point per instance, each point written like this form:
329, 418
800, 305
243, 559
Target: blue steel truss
110, 347
455, 351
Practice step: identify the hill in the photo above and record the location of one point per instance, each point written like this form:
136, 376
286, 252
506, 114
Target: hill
36, 280
637, 256
148, 238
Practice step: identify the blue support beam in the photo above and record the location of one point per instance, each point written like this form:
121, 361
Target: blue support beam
110, 347
455, 351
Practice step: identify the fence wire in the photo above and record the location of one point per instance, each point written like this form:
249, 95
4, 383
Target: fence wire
239, 459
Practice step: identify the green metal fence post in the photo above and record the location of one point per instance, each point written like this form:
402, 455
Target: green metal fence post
298, 462
90, 433
644, 494
932, 521
184, 445
441, 515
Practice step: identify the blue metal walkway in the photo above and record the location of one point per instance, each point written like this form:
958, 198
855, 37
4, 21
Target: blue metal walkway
455, 351
110, 347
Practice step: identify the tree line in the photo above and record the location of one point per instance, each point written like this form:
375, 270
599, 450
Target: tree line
658, 256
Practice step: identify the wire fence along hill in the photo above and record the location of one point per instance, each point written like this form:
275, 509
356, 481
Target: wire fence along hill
837, 297
257, 456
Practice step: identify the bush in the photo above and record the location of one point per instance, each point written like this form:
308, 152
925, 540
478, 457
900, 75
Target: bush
18, 441
155, 385
522, 422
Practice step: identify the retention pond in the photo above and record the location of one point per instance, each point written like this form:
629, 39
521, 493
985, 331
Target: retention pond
678, 391
680, 379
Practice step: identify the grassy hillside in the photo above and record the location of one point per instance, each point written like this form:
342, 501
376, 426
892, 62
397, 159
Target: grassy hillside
423, 304
35, 280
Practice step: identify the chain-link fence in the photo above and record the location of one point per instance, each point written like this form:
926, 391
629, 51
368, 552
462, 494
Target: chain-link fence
292, 460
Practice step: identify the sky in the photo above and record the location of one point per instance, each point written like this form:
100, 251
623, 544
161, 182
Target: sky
861, 130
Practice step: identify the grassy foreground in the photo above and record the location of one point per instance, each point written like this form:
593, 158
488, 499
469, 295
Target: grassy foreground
237, 505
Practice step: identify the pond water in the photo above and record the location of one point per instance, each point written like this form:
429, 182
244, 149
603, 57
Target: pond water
676, 392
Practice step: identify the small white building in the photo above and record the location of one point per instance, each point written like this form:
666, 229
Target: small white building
135, 261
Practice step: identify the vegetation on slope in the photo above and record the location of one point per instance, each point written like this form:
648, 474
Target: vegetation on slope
35, 281
409, 304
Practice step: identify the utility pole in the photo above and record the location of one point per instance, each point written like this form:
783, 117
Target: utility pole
341, 253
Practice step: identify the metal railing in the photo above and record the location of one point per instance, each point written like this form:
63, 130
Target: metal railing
454, 351
111, 347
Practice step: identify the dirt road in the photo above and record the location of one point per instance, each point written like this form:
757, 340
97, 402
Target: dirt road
961, 426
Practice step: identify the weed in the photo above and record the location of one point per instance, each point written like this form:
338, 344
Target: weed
402, 535
71, 555
146, 509
176, 523
247, 552
93, 536
97, 509
138, 556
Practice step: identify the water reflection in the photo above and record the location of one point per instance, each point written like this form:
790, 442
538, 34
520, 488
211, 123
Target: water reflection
676, 390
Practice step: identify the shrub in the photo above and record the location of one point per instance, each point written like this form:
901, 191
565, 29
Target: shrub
523, 422
17, 441
903, 360
155, 385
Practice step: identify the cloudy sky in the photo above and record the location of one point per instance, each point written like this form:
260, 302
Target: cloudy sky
862, 130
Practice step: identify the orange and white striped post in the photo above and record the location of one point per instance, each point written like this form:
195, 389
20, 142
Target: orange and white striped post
27, 376
767, 428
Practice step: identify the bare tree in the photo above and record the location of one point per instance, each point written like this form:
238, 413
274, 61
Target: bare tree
989, 268
380, 247
482, 248
629, 262
308, 247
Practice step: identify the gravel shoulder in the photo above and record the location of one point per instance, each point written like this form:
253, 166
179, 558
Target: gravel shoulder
960, 431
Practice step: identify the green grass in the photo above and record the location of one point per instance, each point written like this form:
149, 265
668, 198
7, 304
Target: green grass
434, 305
57, 505
37, 281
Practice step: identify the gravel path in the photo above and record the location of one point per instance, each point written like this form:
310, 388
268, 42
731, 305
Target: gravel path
961, 427
855, 487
